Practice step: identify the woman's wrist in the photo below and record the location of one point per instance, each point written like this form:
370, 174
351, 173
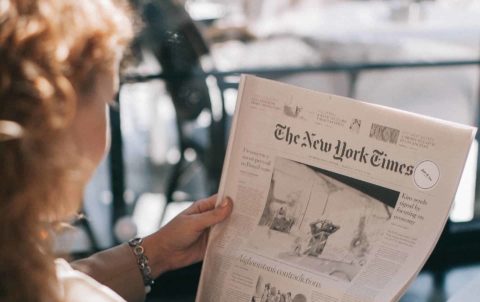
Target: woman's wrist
156, 253
136, 244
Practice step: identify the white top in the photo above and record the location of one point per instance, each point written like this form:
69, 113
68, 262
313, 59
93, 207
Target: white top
75, 286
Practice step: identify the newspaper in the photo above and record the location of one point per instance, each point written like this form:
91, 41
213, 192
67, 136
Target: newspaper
334, 199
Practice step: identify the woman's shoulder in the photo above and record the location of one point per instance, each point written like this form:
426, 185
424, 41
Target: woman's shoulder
75, 286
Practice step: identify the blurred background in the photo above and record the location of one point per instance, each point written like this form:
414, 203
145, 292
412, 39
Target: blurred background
178, 93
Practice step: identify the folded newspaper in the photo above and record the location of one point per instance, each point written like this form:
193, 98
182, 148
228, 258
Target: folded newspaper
334, 199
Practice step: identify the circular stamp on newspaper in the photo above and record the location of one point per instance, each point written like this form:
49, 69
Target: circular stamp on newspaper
426, 174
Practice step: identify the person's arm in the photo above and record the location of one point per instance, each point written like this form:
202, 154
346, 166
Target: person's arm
116, 268
180, 243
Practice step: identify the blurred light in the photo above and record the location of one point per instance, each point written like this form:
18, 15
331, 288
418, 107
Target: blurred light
230, 100
129, 196
180, 196
204, 119
173, 156
125, 229
106, 197
148, 213
173, 209
163, 133
215, 97
464, 204
190, 154
205, 10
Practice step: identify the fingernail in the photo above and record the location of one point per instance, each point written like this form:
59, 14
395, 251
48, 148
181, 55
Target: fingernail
225, 202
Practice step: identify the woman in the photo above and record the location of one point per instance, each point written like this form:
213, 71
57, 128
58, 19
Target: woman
58, 65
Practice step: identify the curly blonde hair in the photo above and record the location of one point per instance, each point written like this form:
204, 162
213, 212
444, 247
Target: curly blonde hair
50, 54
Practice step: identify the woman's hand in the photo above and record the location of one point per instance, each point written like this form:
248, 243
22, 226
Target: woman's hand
184, 239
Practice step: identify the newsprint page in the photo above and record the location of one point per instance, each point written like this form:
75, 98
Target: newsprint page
335, 200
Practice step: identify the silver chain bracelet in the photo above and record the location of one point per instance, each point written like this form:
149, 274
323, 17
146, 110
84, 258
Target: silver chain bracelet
142, 261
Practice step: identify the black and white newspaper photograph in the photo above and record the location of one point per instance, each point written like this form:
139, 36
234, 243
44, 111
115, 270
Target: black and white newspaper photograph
267, 290
320, 220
